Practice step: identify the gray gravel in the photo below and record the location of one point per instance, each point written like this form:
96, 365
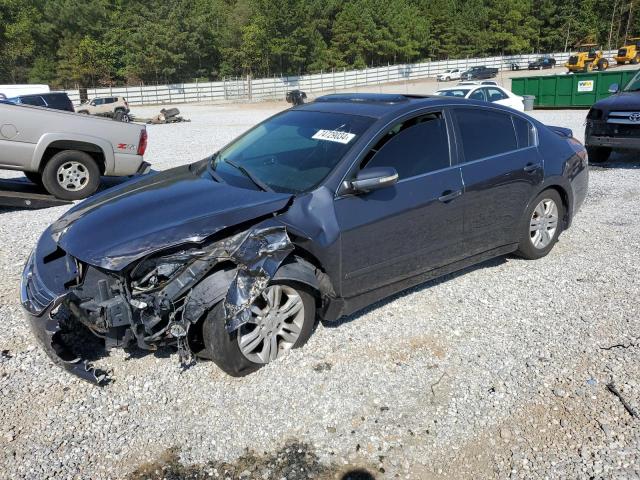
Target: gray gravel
498, 371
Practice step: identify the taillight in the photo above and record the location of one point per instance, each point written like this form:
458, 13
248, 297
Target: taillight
142, 144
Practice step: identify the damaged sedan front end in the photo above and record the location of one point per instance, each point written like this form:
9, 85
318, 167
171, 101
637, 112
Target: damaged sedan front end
153, 304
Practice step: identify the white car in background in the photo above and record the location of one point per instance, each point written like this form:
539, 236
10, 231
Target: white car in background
450, 74
485, 93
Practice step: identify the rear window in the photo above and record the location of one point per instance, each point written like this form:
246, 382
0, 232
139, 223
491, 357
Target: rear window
60, 101
485, 133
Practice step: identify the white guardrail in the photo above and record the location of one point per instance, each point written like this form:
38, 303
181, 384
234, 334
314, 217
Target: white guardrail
247, 89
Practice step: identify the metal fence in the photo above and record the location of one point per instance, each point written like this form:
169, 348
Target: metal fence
247, 89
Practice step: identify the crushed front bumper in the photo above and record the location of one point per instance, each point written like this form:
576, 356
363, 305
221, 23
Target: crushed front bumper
44, 311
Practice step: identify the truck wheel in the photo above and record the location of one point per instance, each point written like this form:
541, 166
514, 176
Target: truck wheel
598, 154
34, 177
602, 64
71, 175
635, 60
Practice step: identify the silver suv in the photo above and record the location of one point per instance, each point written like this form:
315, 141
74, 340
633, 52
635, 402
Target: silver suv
67, 152
113, 107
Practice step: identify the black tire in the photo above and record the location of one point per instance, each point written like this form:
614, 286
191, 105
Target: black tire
86, 163
602, 65
526, 248
84, 112
598, 154
34, 177
121, 116
635, 60
222, 347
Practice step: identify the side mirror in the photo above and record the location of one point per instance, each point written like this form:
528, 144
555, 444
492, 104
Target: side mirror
374, 179
613, 88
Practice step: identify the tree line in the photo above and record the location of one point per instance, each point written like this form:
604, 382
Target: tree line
69, 43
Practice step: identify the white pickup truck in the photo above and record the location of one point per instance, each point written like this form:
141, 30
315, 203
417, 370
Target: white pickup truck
68, 152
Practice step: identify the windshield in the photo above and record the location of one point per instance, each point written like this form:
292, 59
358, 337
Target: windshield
459, 92
291, 152
634, 84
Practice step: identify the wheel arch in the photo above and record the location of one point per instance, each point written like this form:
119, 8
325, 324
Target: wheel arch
50, 144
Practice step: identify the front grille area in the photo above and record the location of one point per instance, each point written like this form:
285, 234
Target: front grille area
605, 129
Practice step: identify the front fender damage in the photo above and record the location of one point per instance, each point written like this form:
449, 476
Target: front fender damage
159, 300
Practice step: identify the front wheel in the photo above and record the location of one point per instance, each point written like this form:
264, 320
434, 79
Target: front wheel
71, 175
282, 318
541, 226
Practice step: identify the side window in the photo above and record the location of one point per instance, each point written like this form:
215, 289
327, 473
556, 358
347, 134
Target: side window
495, 94
478, 95
525, 132
36, 101
485, 133
416, 146
99, 101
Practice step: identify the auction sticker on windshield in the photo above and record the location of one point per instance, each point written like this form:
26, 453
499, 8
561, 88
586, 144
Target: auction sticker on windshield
334, 136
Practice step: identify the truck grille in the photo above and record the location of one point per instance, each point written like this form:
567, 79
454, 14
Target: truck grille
35, 294
624, 118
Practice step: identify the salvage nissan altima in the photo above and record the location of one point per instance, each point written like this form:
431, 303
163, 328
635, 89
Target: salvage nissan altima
313, 214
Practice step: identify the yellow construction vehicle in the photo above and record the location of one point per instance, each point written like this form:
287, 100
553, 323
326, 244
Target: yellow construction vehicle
630, 52
587, 59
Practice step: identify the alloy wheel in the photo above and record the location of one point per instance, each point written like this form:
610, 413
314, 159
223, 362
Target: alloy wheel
544, 223
72, 176
277, 317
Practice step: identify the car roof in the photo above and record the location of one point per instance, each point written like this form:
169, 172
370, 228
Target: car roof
376, 105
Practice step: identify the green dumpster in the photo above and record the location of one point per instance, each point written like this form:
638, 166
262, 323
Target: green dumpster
580, 90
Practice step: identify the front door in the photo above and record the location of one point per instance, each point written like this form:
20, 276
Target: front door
414, 226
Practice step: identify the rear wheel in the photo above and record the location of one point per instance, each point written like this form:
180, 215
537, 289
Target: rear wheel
282, 318
598, 154
541, 226
603, 64
71, 175
34, 177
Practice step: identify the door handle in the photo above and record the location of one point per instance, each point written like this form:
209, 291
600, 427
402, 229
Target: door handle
532, 167
448, 195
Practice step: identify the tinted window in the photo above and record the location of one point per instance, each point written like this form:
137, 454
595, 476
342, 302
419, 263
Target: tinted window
478, 95
524, 132
59, 101
35, 100
414, 147
494, 94
292, 152
453, 93
485, 133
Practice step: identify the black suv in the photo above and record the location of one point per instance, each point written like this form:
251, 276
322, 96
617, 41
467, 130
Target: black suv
614, 123
56, 100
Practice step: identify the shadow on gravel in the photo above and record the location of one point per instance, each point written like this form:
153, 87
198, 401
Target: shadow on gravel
418, 288
294, 461
619, 160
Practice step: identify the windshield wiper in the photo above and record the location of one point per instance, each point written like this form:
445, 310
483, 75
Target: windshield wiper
259, 183
212, 171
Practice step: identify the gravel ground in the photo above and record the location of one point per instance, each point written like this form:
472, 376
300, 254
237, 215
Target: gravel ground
497, 371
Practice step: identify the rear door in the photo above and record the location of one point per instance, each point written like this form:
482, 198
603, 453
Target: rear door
501, 170
414, 226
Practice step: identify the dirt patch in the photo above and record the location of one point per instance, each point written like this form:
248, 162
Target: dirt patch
295, 460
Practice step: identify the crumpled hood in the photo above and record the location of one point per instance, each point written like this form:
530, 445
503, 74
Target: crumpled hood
176, 206
624, 101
